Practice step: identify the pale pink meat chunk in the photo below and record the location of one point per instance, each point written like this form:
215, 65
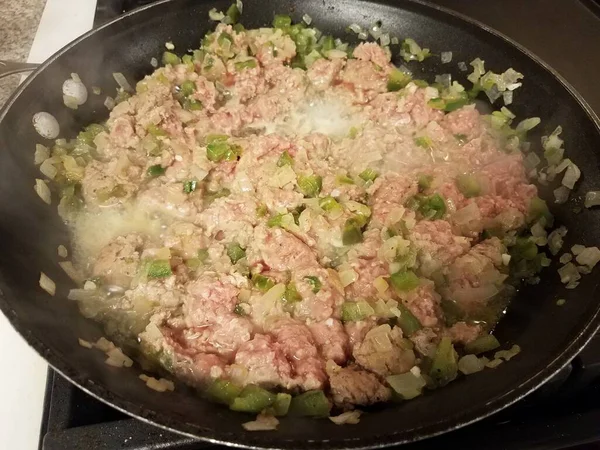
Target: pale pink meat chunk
368, 271
390, 191
265, 361
424, 303
280, 250
331, 339
118, 262
209, 299
298, 345
465, 120
370, 51
323, 72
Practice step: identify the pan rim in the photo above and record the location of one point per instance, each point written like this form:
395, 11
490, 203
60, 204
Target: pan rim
534, 381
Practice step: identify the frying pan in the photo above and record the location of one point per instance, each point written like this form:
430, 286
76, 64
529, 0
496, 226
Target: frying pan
30, 231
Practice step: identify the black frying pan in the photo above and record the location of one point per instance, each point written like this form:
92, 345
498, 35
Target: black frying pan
30, 231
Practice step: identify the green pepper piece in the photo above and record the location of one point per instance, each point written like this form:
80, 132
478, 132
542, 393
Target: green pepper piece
189, 186
468, 185
344, 179
444, 367
285, 159
252, 399
88, 134
216, 151
406, 385
421, 83
352, 133
155, 130
433, 207
233, 13
191, 104
187, 88
275, 221
170, 58
453, 105
424, 142
262, 283
239, 309
404, 281
538, 209
328, 44
223, 391
437, 103
314, 282
187, 59
311, 403
329, 204
159, 268
235, 252
310, 185
397, 80
482, 344
355, 311
156, 170
281, 21
241, 65
291, 295
368, 175
281, 405
262, 210
352, 233
212, 138
203, 255
461, 138
524, 248
424, 182
407, 321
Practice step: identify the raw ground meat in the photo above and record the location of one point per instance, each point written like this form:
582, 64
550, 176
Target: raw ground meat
249, 274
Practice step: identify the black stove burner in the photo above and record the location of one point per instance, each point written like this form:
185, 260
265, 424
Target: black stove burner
564, 413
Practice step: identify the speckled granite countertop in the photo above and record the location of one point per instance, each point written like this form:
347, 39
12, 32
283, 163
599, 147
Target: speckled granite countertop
19, 21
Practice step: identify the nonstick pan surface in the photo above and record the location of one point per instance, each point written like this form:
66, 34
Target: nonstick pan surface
30, 231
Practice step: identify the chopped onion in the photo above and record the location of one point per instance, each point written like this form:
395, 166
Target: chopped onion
70, 102
469, 364
96, 90
462, 66
117, 358
381, 285
75, 90
355, 27
444, 79
85, 343
347, 277
46, 125
62, 251
41, 154
531, 160
589, 256
161, 385
506, 259
42, 189
263, 422
154, 62
494, 363
109, 103
571, 176
215, 15
507, 97
363, 36
89, 286
169, 46
577, 249
349, 417
394, 41
122, 81
507, 355
555, 239
47, 284
565, 258
446, 57
48, 169
561, 194
307, 19
569, 273
528, 124
240, 5
592, 198
384, 39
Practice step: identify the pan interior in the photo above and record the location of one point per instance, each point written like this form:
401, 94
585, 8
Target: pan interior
31, 231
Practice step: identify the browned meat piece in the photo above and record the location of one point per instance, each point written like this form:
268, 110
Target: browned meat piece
353, 386
385, 352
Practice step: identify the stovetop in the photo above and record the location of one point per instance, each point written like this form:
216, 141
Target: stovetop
564, 413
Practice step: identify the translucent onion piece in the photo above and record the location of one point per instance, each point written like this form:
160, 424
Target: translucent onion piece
122, 81
47, 284
446, 57
349, 417
590, 256
561, 194
262, 423
42, 189
592, 198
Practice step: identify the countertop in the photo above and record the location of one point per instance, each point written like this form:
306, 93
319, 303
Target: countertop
19, 21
